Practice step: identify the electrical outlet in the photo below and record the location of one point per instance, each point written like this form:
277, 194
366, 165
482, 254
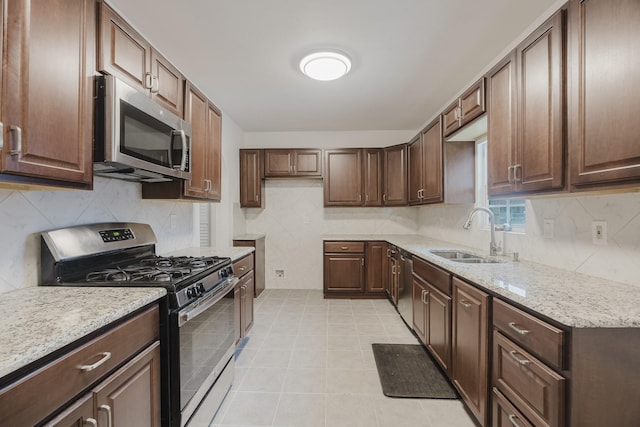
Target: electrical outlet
305, 219
599, 232
548, 229
279, 273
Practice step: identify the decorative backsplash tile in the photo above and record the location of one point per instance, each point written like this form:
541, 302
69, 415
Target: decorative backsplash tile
24, 214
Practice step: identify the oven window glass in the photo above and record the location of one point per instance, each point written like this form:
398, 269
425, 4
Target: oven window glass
204, 341
146, 138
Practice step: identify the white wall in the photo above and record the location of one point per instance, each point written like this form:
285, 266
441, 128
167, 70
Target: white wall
24, 214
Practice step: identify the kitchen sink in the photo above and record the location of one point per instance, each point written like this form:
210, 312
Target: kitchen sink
464, 257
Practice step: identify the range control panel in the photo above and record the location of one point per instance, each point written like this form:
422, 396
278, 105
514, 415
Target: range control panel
116, 235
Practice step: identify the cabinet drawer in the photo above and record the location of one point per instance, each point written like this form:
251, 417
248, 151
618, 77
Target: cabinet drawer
24, 401
504, 414
440, 279
532, 387
338, 247
243, 265
545, 340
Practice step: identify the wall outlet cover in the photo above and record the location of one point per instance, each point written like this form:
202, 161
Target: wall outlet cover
599, 232
548, 229
279, 273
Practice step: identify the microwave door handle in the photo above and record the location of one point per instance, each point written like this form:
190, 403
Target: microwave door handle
183, 137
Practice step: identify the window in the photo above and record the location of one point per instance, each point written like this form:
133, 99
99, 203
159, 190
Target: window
511, 211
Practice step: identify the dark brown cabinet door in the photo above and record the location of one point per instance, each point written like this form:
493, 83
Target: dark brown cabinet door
451, 118
343, 177
214, 154
470, 346
504, 414
247, 290
372, 178
472, 103
195, 113
307, 163
237, 311
131, 396
439, 326
250, 178
416, 165
377, 266
278, 163
501, 126
395, 175
604, 41
432, 185
48, 135
80, 414
167, 84
526, 141
344, 273
124, 52
420, 308
541, 97
283, 163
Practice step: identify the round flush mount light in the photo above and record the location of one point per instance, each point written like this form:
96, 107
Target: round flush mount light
325, 65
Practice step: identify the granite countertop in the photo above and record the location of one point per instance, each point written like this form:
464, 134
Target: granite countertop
249, 236
36, 321
572, 299
235, 253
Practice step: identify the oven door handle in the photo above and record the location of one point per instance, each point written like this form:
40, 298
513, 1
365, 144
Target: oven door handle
205, 303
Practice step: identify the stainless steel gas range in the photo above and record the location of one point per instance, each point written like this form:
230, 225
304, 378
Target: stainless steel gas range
199, 325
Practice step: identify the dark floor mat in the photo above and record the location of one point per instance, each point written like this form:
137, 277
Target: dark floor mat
407, 370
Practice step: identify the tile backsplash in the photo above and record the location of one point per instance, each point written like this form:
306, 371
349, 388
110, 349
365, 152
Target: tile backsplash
24, 214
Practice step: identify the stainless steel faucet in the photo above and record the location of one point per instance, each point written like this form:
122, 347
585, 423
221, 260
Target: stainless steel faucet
493, 247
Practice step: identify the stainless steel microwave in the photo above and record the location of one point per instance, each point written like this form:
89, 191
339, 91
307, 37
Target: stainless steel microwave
135, 138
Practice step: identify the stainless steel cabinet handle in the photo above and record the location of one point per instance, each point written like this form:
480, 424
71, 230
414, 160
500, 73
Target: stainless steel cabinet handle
388, 253
456, 114
344, 248
515, 173
359, 197
509, 174
520, 360
107, 410
513, 420
105, 356
362, 262
148, 80
425, 295
90, 422
384, 197
155, 85
519, 330
243, 268
256, 197
207, 185
1, 136
16, 140
465, 304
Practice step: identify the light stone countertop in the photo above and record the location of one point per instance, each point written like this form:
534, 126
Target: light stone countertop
249, 236
235, 253
38, 320
572, 299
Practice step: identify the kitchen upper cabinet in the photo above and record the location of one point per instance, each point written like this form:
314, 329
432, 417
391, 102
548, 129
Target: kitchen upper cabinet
251, 177
206, 149
124, 53
440, 172
395, 176
373, 172
343, 177
604, 46
353, 177
48, 137
285, 163
465, 109
470, 347
526, 141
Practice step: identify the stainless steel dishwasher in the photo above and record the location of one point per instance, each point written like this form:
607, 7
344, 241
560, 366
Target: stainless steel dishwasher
405, 297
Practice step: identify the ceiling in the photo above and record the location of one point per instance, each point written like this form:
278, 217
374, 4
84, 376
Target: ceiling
410, 57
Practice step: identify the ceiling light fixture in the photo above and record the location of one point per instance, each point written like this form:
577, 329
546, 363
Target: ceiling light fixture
325, 65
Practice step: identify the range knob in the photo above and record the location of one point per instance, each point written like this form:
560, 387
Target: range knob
224, 273
200, 288
191, 293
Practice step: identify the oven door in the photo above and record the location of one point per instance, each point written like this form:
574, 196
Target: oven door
206, 344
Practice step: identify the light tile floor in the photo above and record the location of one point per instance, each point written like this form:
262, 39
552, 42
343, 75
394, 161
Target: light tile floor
307, 362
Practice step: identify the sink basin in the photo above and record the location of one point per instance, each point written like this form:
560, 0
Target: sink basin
455, 255
464, 257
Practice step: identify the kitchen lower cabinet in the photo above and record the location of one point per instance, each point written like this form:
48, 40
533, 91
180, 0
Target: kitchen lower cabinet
470, 347
377, 267
394, 274
243, 295
258, 243
116, 375
355, 269
432, 310
47, 137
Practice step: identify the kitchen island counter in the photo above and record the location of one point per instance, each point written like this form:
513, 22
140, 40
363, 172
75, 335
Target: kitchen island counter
37, 321
569, 298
